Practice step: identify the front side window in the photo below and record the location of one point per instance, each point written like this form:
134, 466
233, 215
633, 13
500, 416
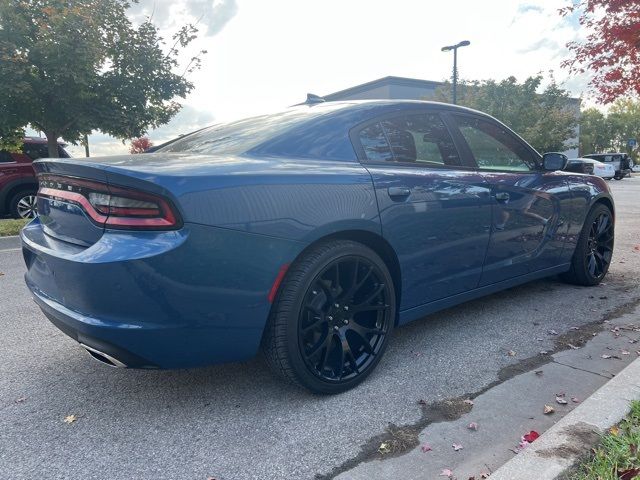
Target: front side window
422, 139
5, 157
494, 148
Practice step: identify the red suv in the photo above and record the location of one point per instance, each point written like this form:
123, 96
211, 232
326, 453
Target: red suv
18, 183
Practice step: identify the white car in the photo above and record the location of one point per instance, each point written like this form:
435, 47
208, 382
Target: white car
636, 168
592, 167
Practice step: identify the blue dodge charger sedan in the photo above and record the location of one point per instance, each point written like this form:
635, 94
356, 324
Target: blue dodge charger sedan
312, 233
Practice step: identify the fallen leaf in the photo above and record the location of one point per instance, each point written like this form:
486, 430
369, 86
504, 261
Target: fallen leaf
539, 372
468, 401
625, 352
572, 347
575, 400
605, 356
575, 328
20, 400
446, 473
457, 446
426, 448
633, 341
422, 402
531, 436
561, 401
485, 475
70, 418
629, 474
472, 426
615, 431
1, 274
211, 478
553, 332
543, 352
548, 409
511, 353
636, 248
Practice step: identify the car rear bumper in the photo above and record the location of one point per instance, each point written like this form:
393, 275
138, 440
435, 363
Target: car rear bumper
178, 299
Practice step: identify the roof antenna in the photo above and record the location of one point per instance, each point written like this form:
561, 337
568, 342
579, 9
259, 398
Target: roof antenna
311, 99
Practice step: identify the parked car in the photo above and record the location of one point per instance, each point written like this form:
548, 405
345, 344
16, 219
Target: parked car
636, 167
591, 167
18, 182
621, 162
313, 232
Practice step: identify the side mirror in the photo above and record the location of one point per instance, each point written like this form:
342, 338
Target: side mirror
554, 161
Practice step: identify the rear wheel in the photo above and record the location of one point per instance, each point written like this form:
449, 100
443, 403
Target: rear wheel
618, 177
332, 318
23, 204
593, 253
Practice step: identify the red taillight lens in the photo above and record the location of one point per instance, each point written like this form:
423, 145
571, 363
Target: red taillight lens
110, 206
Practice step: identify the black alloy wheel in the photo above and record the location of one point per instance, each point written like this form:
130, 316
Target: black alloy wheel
332, 317
343, 321
600, 245
594, 250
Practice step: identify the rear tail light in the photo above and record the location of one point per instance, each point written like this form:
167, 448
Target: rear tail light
110, 206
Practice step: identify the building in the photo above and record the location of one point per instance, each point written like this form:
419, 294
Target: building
401, 88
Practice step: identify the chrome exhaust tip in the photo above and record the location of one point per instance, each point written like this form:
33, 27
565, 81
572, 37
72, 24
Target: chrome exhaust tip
103, 357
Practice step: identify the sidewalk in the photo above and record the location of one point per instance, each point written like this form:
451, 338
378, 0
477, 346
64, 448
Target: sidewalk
514, 406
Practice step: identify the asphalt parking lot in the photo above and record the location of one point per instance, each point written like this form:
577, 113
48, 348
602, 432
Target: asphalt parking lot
237, 421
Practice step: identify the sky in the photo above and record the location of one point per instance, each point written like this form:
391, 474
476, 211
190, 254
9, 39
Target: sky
266, 55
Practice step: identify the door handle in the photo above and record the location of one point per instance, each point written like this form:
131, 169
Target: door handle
397, 192
502, 197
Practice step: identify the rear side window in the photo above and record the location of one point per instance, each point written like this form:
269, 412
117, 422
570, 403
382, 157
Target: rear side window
493, 147
422, 139
35, 150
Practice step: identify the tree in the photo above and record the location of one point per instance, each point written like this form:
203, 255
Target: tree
69, 67
611, 49
140, 145
595, 132
547, 120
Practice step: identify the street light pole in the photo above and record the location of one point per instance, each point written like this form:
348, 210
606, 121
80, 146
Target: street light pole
455, 47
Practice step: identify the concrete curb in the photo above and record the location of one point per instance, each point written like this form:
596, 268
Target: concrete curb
9, 243
564, 444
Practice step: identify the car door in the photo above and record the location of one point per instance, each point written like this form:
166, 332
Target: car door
529, 204
435, 210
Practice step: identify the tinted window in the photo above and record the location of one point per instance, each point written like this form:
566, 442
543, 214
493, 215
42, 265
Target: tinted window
35, 150
241, 136
493, 147
5, 157
375, 145
417, 138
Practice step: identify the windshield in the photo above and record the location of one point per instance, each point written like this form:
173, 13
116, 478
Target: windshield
240, 136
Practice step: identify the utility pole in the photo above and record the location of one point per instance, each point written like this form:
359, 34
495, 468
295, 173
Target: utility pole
455, 47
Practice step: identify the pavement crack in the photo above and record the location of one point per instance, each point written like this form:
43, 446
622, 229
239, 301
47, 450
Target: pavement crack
583, 370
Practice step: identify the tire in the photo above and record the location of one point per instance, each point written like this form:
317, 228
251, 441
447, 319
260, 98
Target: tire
618, 177
592, 257
22, 204
320, 308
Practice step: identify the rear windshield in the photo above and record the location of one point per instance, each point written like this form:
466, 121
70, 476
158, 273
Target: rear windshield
238, 137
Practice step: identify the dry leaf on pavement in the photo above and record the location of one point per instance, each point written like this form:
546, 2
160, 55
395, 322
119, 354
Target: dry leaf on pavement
70, 418
561, 401
468, 401
457, 446
548, 409
575, 400
472, 426
511, 353
426, 448
446, 473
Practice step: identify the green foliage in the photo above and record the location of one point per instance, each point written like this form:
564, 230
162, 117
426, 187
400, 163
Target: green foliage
546, 120
601, 133
69, 67
618, 455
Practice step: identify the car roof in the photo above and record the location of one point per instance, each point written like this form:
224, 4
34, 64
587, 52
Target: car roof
40, 141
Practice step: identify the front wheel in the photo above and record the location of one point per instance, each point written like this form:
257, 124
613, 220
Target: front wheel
332, 318
618, 177
592, 257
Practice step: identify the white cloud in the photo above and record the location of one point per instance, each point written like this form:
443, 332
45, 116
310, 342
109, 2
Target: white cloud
267, 55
